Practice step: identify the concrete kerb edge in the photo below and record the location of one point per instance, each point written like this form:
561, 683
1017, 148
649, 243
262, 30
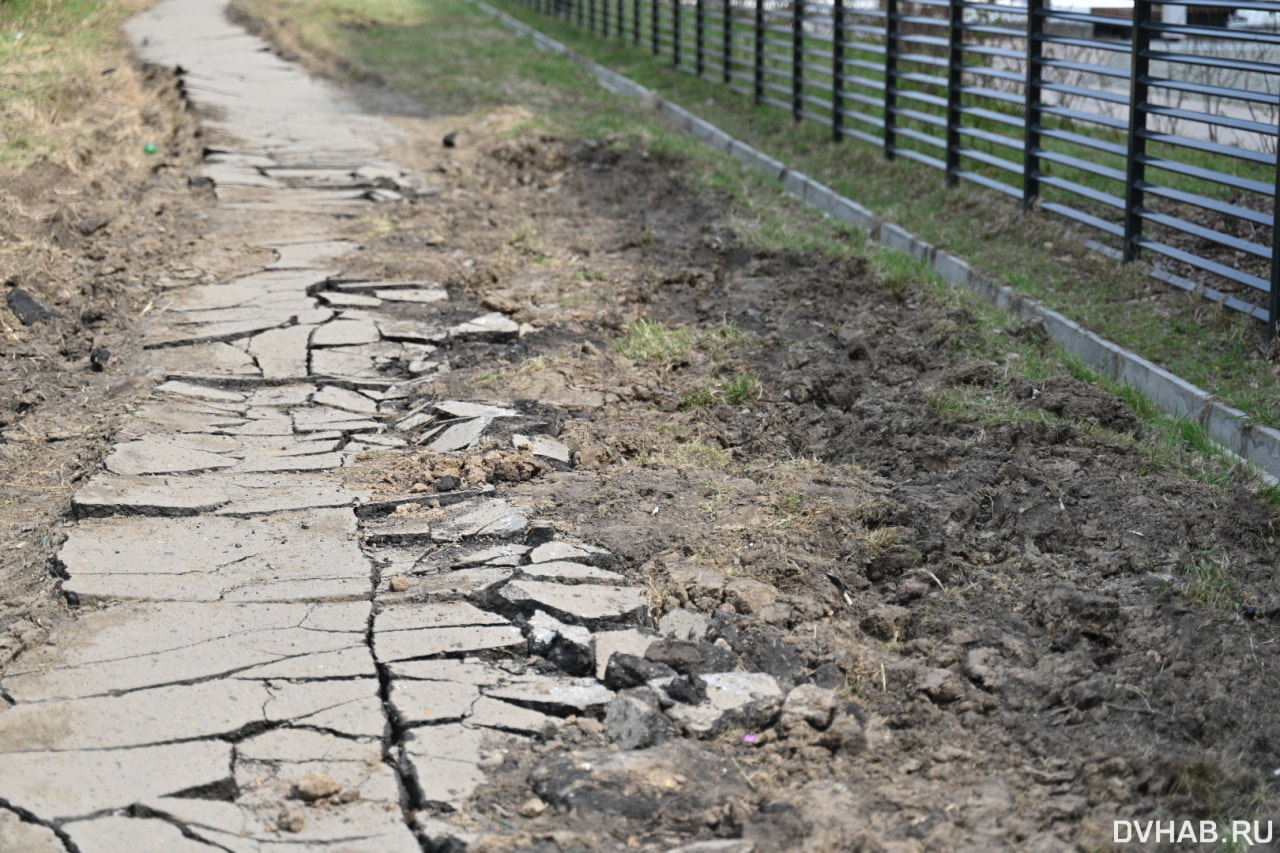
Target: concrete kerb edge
1232, 428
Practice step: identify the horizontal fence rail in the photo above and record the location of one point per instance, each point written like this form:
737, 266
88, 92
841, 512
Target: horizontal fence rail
1155, 126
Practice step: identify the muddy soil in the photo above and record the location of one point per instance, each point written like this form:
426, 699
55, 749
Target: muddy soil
1028, 633
1036, 634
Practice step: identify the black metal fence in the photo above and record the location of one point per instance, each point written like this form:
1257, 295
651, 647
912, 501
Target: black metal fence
1153, 124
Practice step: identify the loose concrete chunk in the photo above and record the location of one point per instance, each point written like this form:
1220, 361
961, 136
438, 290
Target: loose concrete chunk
413, 294
69, 784
459, 436
578, 553
493, 518
681, 624
311, 254
730, 697
541, 445
226, 493
182, 336
131, 835
583, 604
341, 398
341, 333
462, 409
199, 392
446, 761
297, 394
338, 299
412, 330
128, 647
282, 353
570, 572
162, 455
629, 642
488, 327
555, 695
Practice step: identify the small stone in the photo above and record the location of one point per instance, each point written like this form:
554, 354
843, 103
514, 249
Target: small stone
532, 807
941, 685
748, 595
399, 583
888, 623
315, 786
291, 819
681, 624
808, 704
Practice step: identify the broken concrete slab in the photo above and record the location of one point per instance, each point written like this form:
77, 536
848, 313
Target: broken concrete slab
154, 454
446, 762
503, 716
338, 299
588, 605
459, 436
413, 331
199, 392
131, 835
297, 394
217, 358
681, 624
282, 353
410, 617
467, 520
577, 552
629, 641
342, 398
312, 462
422, 702
567, 572
68, 784
468, 671
541, 445
210, 709
493, 326
308, 554
341, 333
182, 336
731, 698
430, 642
342, 363
413, 294
23, 837
553, 694
463, 583
463, 409
128, 647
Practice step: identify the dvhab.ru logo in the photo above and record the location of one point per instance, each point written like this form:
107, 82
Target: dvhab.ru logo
1240, 832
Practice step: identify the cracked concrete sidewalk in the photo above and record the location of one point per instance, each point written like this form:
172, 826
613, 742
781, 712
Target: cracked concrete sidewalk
247, 671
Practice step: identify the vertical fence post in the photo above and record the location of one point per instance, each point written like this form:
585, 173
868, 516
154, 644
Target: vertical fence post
591, 16
890, 76
1274, 304
622, 15
1137, 147
699, 37
604, 18
577, 5
675, 32
653, 26
635, 22
758, 59
726, 40
837, 71
955, 79
1031, 114
797, 59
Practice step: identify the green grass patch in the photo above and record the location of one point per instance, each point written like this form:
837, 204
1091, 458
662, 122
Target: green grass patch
654, 341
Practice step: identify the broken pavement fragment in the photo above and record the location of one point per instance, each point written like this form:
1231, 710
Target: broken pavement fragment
309, 554
405, 631
582, 604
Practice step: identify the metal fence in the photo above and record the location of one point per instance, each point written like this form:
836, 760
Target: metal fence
1153, 124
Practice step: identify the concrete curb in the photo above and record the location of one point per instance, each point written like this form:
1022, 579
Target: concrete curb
1230, 427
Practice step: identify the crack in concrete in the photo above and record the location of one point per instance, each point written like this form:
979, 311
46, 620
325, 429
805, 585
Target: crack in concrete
140, 811
30, 817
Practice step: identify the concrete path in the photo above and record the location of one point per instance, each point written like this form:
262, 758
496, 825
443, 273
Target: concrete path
247, 671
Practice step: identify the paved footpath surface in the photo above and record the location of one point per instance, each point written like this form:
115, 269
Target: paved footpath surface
243, 674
